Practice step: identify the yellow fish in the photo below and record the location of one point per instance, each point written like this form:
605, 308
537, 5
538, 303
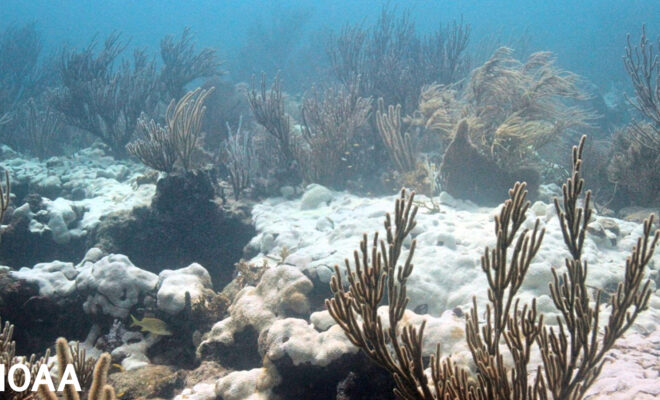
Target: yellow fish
152, 325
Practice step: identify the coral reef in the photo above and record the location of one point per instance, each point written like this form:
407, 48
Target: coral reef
328, 148
468, 174
179, 140
397, 142
98, 390
393, 62
513, 108
182, 64
186, 230
239, 158
268, 110
102, 101
642, 66
572, 354
58, 202
636, 148
8, 358
184, 224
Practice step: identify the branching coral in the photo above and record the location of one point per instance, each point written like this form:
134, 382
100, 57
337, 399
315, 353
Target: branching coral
83, 365
642, 65
393, 61
22, 78
184, 121
413, 170
4, 196
330, 135
8, 358
397, 142
633, 167
99, 389
636, 147
268, 110
513, 108
19, 75
40, 127
104, 102
182, 64
572, 354
154, 145
356, 310
239, 158
160, 147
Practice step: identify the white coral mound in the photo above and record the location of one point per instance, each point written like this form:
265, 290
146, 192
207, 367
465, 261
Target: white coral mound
115, 285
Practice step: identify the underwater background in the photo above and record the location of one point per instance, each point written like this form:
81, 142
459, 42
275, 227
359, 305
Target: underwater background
187, 187
586, 35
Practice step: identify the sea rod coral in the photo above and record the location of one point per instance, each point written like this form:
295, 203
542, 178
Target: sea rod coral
571, 353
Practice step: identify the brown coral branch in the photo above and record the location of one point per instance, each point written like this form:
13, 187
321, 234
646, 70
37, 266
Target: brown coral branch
184, 121
573, 355
99, 389
268, 110
398, 144
4, 196
356, 310
239, 158
331, 123
155, 146
642, 65
8, 358
182, 64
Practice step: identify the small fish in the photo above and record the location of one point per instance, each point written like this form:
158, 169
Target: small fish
118, 366
356, 145
421, 309
152, 325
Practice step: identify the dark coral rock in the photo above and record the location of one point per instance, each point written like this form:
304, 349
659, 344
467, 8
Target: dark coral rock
351, 376
38, 320
151, 381
35, 201
240, 355
187, 195
468, 174
207, 372
183, 225
20, 247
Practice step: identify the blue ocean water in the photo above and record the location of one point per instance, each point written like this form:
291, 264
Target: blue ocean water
588, 36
